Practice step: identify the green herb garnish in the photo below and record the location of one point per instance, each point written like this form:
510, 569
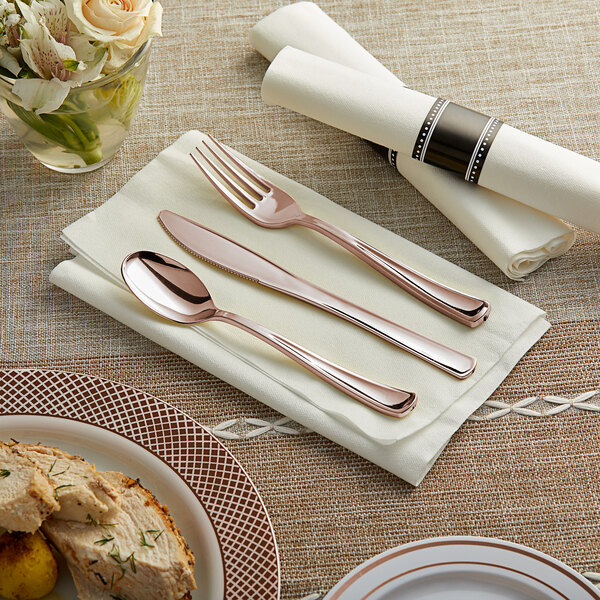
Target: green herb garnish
59, 487
115, 554
57, 474
143, 541
161, 532
104, 540
91, 521
4, 473
131, 559
50, 474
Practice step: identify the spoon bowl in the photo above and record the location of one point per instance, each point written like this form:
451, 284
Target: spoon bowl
167, 287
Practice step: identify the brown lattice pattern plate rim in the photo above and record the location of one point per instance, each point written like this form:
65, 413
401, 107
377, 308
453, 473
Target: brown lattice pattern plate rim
230, 499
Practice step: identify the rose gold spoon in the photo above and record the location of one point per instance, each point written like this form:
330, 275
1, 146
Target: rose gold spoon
174, 292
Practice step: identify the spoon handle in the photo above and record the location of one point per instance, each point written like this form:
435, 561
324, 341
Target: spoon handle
461, 307
380, 397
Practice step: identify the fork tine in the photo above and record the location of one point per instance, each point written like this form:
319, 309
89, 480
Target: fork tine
242, 165
234, 185
241, 178
223, 190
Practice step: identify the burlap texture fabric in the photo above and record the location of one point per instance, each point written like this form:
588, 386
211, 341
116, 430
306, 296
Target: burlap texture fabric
533, 480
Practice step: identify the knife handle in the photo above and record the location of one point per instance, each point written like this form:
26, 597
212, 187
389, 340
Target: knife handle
457, 305
452, 361
380, 397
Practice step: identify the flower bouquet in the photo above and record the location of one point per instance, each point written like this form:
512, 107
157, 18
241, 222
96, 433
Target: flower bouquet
72, 73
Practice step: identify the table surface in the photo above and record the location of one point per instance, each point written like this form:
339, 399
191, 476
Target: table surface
530, 479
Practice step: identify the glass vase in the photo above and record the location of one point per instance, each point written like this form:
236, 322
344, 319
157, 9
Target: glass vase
86, 131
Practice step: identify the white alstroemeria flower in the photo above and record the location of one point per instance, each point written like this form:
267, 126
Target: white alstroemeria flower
91, 59
59, 66
6, 8
44, 55
12, 19
13, 33
9, 21
41, 95
9, 62
52, 62
51, 13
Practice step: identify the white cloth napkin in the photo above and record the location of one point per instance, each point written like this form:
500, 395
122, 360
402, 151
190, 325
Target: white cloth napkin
517, 238
407, 447
519, 165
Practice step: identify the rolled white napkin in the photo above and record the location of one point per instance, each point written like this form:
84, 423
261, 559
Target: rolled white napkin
406, 447
517, 238
518, 165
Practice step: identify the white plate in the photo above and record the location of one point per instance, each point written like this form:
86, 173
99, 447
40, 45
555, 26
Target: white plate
463, 568
117, 427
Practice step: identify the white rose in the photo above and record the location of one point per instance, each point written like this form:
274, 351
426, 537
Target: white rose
121, 25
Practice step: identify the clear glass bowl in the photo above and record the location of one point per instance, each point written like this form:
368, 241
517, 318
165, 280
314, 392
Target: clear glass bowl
91, 124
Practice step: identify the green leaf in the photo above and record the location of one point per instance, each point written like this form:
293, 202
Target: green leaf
26, 73
70, 64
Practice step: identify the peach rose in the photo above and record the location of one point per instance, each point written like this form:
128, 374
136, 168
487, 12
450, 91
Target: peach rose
120, 25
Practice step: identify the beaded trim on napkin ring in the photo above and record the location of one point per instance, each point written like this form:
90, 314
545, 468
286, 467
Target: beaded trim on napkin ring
456, 138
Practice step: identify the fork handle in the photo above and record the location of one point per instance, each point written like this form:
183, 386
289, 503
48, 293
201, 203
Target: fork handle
380, 397
457, 305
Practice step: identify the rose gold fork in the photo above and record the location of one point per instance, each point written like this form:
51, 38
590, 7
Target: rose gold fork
269, 206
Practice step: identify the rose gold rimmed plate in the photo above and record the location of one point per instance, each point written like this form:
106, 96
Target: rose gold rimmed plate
120, 428
463, 568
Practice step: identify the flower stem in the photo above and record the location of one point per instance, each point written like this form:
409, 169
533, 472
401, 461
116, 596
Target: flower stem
76, 133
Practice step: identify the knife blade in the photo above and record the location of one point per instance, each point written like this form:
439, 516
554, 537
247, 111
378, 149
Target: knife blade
226, 254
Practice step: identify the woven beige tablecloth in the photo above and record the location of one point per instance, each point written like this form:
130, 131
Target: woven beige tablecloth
530, 479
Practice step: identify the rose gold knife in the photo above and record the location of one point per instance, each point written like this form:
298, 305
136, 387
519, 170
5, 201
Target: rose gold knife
231, 256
